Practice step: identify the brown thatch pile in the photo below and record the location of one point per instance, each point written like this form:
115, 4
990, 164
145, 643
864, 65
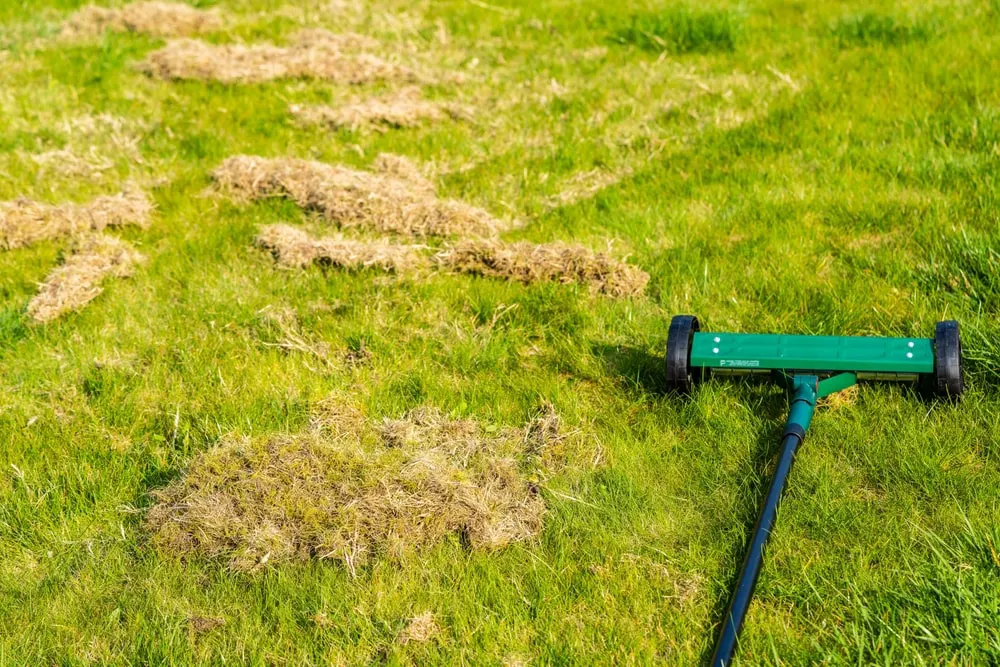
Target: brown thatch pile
162, 19
559, 262
24, 222
405, 108
351, 489
295, 248
382, 202
402, 167
78, 280
525, 262
317, 55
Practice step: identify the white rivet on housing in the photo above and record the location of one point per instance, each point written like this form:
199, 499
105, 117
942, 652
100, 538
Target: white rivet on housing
715, 350
909, 355
910, 344
717, 339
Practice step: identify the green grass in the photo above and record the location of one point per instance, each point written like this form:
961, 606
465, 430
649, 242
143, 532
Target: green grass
680, 30
870, 29
793, 167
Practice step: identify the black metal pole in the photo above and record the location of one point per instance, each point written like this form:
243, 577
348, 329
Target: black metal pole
800, 414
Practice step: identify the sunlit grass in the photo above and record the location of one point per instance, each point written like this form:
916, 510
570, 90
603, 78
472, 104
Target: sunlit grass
774, 166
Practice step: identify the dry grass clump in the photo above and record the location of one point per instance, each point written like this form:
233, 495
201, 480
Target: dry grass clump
162, 19
421, 628
840, 399
405, 108
310, 58
352, 489
382, 202
24, 222
78, 281
295, 248
559, 262
402, 167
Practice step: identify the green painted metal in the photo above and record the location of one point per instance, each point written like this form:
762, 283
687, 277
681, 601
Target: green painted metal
836, 383
816, 354
803, 400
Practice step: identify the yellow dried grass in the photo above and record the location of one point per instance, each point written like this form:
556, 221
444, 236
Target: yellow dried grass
405, 108
351, 489
840, 399
421, 628
162, 19
64, 162
382, 202
558, 262
24, 222
402, 167
78, 280
317, 55
293, 247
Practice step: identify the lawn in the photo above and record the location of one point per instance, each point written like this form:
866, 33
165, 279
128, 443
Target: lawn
815, 167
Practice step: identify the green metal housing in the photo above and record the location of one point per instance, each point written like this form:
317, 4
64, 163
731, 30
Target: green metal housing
809, 368
864, 356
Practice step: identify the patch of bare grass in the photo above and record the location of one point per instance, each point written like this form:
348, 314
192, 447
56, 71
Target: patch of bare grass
24, 222
317, 55
78, 280
558, 262
294, 247
382, 202
161, 19
405, 108
199, 625
353, 489
357, 355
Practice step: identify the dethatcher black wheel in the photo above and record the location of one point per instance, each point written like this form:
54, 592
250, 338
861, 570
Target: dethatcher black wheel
948, 381
679, 375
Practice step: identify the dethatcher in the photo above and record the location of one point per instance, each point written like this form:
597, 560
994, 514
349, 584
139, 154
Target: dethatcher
809, 368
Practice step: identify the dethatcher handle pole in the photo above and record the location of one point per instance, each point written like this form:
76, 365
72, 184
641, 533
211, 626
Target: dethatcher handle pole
803, 404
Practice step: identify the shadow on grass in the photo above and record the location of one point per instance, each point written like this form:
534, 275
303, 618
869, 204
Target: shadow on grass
764, 460
645, 372
13, 328
640, 369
